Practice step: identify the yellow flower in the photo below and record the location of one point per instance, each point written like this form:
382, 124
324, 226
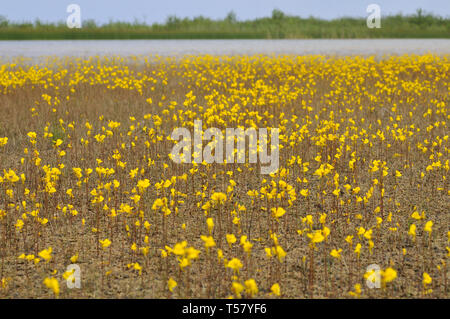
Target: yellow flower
157, 204
52, 284
416, 215
105, 243
3, 141
171, 284
237, 288
336, 253
19, 224
184, 262
388, 275
428, 226
426, 279
304, 192
308, 219
234, 264
192, 253
275, 289
219, 254
361, 231
368, 234
357, 292
278, 212
46, 254
247, 246
358, 289
251, 288
210, 223
68, 275
179, 248
218, 197
4, 282
412, 231
358, 249
136, 198
231, 239
316, 237
32, 135
78, 172
143, 184
349, 240
74, 258
209, 241
137, 267
325, 232
145, 250
280, 253
371, 245
58, 142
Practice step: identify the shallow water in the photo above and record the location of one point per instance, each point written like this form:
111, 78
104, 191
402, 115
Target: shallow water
83, 48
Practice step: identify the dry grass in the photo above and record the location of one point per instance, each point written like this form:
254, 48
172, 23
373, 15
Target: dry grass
336, 115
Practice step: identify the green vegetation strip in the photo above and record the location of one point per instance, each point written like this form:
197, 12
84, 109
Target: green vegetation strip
278, 26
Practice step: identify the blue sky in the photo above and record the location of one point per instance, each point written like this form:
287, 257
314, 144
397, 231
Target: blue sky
157, 10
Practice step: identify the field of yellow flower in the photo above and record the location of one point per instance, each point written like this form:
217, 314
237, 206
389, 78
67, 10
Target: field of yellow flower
358, 208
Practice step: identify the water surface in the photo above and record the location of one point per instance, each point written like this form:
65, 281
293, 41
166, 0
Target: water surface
83, 48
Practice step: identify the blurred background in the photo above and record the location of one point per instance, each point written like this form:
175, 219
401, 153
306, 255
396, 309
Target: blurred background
235, 19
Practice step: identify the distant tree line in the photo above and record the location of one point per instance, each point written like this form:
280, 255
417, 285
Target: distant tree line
278, 26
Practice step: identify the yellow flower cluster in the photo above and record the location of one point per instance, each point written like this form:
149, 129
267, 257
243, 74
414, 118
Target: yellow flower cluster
86, 177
